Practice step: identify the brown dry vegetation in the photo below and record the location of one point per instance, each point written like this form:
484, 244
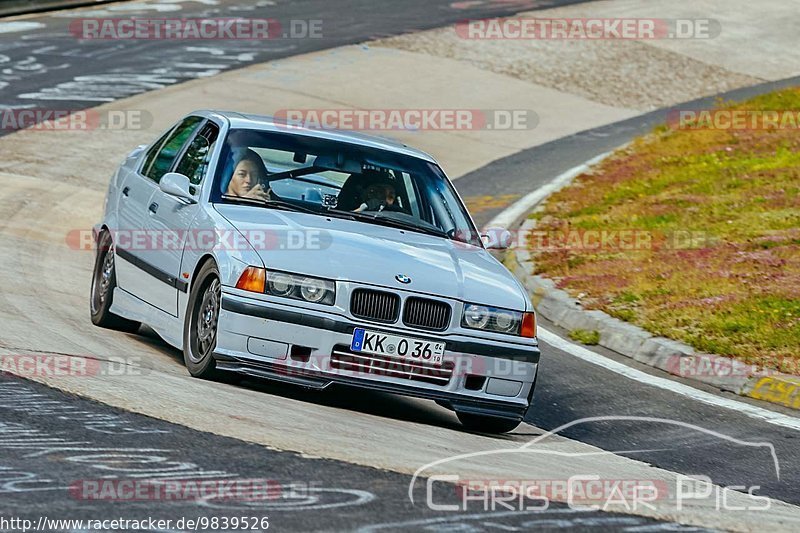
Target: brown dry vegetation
721, 211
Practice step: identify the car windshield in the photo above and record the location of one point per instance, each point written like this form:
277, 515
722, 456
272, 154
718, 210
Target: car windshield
331, 178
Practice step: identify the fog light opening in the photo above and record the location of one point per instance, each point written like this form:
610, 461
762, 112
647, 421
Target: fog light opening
301, 354
473, 382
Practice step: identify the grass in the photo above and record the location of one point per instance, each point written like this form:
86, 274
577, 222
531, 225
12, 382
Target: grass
583, 336
718, 212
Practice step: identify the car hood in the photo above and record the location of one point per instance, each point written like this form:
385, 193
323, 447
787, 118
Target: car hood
350, 250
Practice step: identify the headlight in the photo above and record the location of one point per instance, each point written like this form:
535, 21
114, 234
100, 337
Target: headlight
299, 287
313, 289
280, 284
506, 320
493, 319
476, 316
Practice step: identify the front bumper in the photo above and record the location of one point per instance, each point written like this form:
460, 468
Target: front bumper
276, 340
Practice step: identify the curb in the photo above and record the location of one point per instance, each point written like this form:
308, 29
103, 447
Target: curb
24, 7
669, 355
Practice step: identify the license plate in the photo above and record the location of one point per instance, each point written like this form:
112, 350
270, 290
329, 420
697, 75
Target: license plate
397, 347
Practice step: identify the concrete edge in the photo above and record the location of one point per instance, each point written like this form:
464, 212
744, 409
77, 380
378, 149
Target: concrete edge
24, 7
669, 355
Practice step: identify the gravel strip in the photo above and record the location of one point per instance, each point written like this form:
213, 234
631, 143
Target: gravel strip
628, 74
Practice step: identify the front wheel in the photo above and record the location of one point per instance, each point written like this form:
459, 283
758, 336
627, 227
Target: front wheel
104, 279
487, 424
201, 326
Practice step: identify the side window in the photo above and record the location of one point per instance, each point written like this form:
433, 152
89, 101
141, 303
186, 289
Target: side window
194, 162
168, 150
153, 152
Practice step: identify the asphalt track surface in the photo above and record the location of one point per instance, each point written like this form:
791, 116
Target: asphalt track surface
47, 67
54, 446
33, 484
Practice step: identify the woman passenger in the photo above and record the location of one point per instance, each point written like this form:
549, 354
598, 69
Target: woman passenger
249, 177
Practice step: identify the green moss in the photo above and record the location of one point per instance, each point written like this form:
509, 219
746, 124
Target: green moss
583, 336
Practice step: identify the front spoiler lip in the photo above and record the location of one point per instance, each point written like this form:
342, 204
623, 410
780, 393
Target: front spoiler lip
317, 380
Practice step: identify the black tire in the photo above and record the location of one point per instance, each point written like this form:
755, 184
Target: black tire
104, 279
200, 326
487, 424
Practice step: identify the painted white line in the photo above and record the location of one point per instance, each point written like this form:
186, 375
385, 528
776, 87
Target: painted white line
458, 518
521, 207
594, 358
17, 26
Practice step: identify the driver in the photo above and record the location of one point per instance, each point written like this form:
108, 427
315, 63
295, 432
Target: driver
249, 176
379, 197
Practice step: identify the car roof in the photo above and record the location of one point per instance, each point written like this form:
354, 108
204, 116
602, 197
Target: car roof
268, 123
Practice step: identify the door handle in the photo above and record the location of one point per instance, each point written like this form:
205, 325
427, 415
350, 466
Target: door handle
125, 191
153, 208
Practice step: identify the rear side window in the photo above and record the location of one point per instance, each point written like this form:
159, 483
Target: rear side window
194, 162
162, 155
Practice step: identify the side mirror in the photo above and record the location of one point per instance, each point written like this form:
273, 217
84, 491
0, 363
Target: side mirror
497, 239
176, 185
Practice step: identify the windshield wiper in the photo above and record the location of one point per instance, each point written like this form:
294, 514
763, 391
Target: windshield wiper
384, 221
373, 218
280, 204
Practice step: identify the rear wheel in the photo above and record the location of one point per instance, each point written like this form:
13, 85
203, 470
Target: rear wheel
104, 279
487, 424
201, 325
